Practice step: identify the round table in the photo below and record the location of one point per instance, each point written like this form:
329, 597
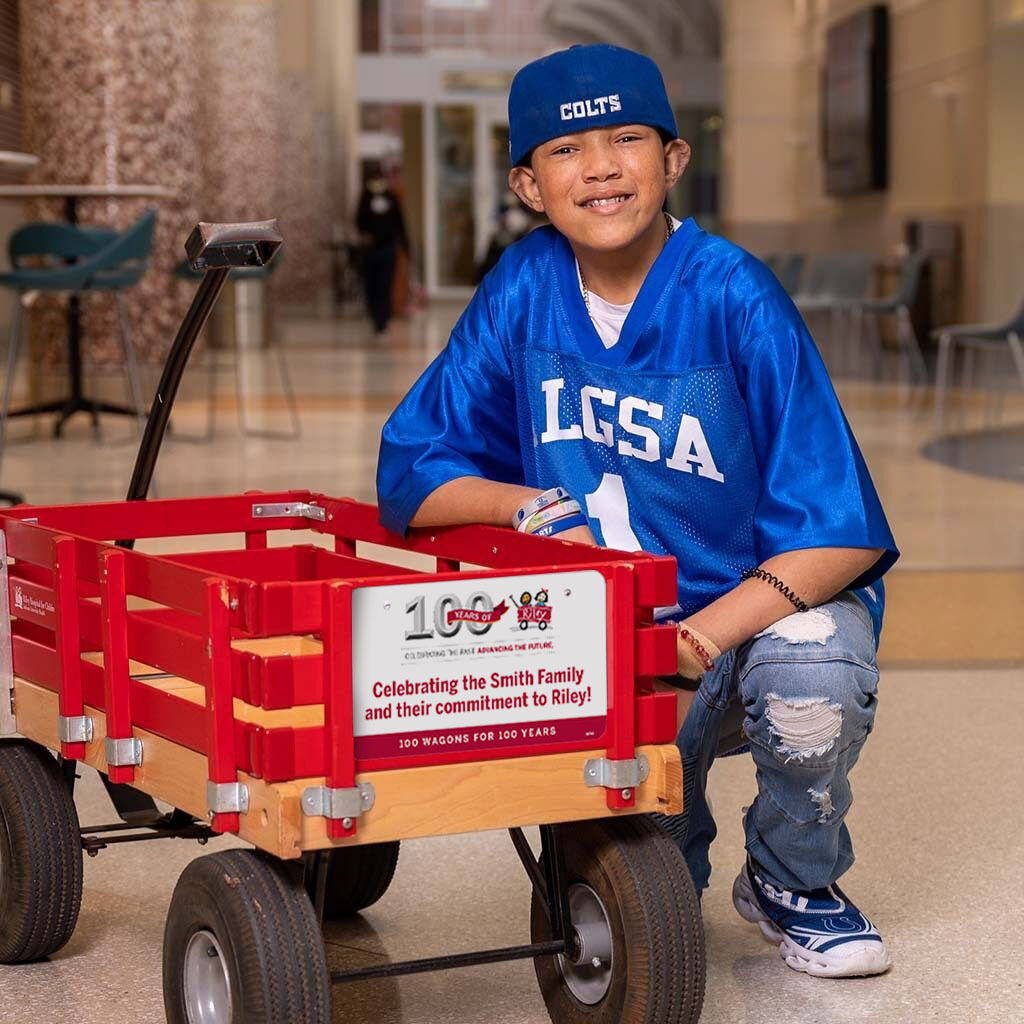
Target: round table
71, 194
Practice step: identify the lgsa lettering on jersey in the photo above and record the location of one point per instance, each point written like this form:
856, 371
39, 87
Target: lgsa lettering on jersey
590, 108
690, 450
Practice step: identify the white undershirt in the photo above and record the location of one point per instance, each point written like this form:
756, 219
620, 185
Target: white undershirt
607, 317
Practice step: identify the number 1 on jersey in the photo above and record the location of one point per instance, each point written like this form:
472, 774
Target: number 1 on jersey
608, 505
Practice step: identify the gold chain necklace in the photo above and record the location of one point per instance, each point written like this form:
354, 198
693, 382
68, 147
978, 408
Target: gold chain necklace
669, 228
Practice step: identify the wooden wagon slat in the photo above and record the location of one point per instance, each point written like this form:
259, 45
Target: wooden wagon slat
410, 802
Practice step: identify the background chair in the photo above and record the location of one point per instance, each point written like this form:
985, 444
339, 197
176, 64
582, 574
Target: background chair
985, 338
790, 270
898, 305
836, 286
65, 258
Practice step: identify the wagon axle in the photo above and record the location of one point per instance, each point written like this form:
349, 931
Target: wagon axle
99, 837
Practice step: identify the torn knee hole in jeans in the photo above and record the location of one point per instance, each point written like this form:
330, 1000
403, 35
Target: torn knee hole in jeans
823, 801
804, 727
816, 626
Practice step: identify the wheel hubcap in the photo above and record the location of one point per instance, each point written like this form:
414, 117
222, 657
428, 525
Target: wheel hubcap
588, 973
207, 988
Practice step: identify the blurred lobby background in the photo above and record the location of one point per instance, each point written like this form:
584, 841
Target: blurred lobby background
876, 161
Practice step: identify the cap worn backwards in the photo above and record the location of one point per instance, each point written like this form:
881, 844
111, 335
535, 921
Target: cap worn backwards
585, 87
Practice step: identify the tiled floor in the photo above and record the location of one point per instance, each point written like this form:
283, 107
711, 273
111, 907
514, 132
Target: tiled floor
936, 819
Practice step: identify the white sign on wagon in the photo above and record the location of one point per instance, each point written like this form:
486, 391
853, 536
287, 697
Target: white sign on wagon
478, 664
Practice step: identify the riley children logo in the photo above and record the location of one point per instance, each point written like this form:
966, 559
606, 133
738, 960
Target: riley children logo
27, 603
590, 108
533, 609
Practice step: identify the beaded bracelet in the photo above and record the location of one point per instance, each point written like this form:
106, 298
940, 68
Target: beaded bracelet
763, 574
698, 648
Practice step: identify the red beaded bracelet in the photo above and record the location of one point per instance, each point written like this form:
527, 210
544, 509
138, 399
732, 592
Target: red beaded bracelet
698, 647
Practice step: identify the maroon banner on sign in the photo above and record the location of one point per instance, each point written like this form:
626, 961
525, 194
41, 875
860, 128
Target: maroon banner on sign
480, 737
476, 614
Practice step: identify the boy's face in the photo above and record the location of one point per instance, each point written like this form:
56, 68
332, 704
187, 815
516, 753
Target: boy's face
604, 187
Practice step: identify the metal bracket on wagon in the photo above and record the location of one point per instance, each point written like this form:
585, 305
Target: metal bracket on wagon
74, 729
227, 797
299, 509
600, 771
123, 752
322, 802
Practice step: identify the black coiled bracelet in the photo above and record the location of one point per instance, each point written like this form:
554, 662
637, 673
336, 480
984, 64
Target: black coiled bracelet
764, 574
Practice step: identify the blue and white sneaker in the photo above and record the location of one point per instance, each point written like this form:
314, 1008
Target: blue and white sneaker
820, 932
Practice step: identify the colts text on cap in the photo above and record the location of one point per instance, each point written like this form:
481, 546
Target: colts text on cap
590, 108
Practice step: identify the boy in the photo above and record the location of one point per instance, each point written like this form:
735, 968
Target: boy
625, 379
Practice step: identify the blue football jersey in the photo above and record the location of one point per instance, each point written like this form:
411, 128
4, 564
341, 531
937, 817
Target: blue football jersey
710, 431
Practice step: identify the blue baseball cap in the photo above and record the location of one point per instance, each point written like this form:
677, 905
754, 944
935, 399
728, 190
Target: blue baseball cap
584, 87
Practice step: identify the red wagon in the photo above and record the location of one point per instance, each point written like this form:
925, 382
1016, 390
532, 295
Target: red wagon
325, 700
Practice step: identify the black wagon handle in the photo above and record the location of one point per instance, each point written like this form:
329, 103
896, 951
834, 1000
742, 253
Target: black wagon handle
215, 249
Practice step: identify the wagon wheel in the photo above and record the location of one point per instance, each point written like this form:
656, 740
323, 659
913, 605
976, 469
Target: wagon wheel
40, 855
242, 945
640, 940
357, 876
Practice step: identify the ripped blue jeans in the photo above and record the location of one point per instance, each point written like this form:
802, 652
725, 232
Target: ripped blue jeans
807, 687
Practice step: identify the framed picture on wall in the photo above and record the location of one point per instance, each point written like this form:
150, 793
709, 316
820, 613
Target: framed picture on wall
855, 103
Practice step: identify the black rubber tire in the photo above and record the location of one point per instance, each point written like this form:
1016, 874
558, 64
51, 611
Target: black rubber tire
259, 913
658, 961
40, 855
357, 876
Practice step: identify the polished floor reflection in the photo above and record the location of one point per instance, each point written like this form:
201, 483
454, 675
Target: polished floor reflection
935, 819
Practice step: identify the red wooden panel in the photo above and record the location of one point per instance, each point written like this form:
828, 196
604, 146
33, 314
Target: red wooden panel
220, 730
35, 661
168, 517
339, 740
69, 647
656, 718
260, 565
27, 542
278, 681
621, 676
166, 639
656, 650
116, 681
332, 566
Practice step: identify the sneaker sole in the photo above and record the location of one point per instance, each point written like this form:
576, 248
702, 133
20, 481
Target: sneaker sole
869, 961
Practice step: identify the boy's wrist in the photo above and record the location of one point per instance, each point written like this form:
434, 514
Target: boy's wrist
695, 653
508, 500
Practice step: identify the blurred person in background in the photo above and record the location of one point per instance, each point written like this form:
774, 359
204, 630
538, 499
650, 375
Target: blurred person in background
514, 221
624, 378
382, 230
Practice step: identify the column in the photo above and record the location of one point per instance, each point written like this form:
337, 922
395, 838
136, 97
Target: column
109, 97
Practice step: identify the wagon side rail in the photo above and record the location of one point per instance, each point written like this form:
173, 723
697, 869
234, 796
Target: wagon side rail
348, 521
